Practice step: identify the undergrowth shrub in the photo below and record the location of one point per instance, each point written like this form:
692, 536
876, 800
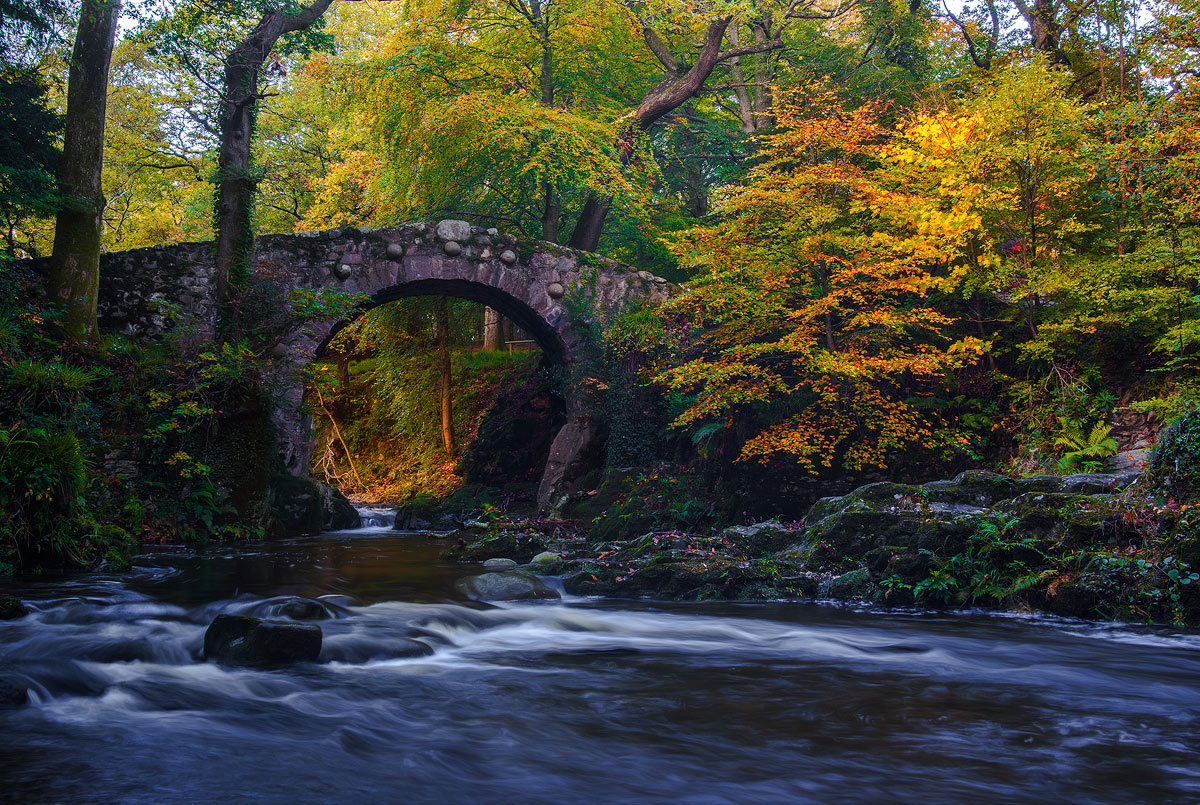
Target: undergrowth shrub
1175, 461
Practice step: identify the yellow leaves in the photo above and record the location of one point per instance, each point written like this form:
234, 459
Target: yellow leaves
813, 286
157, 399
179, 457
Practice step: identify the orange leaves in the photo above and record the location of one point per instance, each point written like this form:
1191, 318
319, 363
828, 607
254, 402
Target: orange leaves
812, 292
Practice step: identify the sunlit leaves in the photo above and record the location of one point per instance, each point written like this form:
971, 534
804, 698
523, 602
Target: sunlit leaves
814, 296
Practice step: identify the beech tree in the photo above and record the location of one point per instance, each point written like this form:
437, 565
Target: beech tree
814, 300
236, 180
74, 271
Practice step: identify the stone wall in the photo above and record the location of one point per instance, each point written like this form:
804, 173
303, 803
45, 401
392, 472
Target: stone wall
140, 290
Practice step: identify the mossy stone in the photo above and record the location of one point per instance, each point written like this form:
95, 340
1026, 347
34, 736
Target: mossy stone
855, 584
518, 546
12, 608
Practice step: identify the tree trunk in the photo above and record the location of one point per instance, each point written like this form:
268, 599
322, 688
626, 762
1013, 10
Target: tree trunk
74, 272
1044, 29
764, 79
236, 183
491, 330
445, 379
552, 209
590, 225
679, 85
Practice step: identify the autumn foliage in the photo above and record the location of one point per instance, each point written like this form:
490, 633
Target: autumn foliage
814, 298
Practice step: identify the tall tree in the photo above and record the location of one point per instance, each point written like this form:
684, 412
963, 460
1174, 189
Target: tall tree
236, 179
74, 272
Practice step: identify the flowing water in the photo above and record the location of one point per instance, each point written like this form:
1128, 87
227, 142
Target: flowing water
579, 701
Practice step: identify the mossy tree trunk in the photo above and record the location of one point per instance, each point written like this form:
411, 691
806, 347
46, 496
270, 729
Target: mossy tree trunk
236, 181
74, 272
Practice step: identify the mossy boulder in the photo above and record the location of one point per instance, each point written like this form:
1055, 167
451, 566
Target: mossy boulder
1077, 520
512, 585
520, 546
424, 513
881, 496
241, 640
759, 539
1097, 483
849, 534
12, 608
855, 584
679, 576
305, 506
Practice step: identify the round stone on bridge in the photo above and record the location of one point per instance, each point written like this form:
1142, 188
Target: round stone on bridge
453, 230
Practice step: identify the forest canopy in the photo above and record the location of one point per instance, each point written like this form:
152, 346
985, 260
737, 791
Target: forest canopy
968, 230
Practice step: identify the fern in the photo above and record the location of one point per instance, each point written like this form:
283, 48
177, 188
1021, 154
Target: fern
1093, 445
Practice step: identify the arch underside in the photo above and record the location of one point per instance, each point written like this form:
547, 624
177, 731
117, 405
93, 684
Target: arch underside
525, 317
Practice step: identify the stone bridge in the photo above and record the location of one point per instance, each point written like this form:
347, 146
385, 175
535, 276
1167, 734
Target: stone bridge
524, 280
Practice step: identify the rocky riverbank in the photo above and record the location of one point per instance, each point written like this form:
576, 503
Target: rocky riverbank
1089, 545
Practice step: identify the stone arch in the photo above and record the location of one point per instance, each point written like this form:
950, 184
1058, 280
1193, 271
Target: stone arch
550, 339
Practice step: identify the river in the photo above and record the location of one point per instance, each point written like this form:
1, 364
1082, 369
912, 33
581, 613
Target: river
580, 701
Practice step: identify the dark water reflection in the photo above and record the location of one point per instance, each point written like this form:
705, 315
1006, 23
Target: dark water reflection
584, 701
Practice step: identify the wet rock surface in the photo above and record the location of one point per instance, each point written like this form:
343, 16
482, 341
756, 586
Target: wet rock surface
242, 640
11, 609
513, 585
1065, 544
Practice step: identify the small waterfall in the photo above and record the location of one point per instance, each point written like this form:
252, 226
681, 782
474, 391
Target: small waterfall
376, 516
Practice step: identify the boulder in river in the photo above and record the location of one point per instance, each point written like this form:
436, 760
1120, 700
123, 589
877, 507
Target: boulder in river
509, 586
500, 563
11, 609
423, 514
241, 640
302, 505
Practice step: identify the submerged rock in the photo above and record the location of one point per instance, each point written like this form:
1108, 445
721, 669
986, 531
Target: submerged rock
241, 640
360, 648
12, 695
509, 586
11, 609
304, 609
